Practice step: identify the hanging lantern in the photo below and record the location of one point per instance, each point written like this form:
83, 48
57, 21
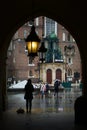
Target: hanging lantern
32, 43
42, 50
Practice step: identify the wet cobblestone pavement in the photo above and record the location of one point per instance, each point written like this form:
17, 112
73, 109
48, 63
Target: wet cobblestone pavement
50, 103
47, 113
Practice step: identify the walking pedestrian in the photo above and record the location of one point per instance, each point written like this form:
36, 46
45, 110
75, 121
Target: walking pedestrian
43, 89
47, 89
56, 87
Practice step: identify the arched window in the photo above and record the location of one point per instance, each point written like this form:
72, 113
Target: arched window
59, 74
69, 72
63, 37
49, 76
30, 73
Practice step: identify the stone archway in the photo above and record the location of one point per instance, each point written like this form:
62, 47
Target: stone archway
77, 26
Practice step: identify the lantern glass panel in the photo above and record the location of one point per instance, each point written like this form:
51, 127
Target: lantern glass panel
32, 47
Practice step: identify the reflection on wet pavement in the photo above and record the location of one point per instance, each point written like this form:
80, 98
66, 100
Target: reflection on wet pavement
50, 103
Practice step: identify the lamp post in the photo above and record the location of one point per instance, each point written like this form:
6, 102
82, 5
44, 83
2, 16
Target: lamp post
32, 46
42, 50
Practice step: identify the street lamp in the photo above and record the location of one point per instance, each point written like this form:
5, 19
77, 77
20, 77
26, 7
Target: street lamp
32, 43
42, 50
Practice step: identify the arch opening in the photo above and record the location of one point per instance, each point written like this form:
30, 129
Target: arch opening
68, 52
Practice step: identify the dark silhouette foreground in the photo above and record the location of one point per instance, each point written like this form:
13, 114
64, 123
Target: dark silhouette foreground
29, 89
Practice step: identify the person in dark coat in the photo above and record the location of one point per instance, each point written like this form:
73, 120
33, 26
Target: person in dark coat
56, 87
28, 96
47, 88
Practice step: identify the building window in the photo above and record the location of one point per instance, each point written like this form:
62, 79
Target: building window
69, 72
31, 61
59, 74
10, 46
50, 26
63, 36
14, 60
68, 37
73, 40
25, 33
69, 60
13, 46
37, 21
30, 73
49, 76
16, 35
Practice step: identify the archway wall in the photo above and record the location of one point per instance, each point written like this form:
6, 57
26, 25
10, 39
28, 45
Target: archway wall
15, 15
61, 11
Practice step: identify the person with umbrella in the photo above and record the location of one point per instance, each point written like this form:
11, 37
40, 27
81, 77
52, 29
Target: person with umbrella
56, 87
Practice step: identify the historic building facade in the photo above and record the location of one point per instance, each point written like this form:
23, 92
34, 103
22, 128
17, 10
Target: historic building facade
62, 59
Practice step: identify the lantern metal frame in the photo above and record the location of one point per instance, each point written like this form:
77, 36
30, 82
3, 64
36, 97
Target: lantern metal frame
42, 50
32, 42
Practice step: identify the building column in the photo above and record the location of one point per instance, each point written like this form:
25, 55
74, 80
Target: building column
3, 91
84, 78
80, 105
